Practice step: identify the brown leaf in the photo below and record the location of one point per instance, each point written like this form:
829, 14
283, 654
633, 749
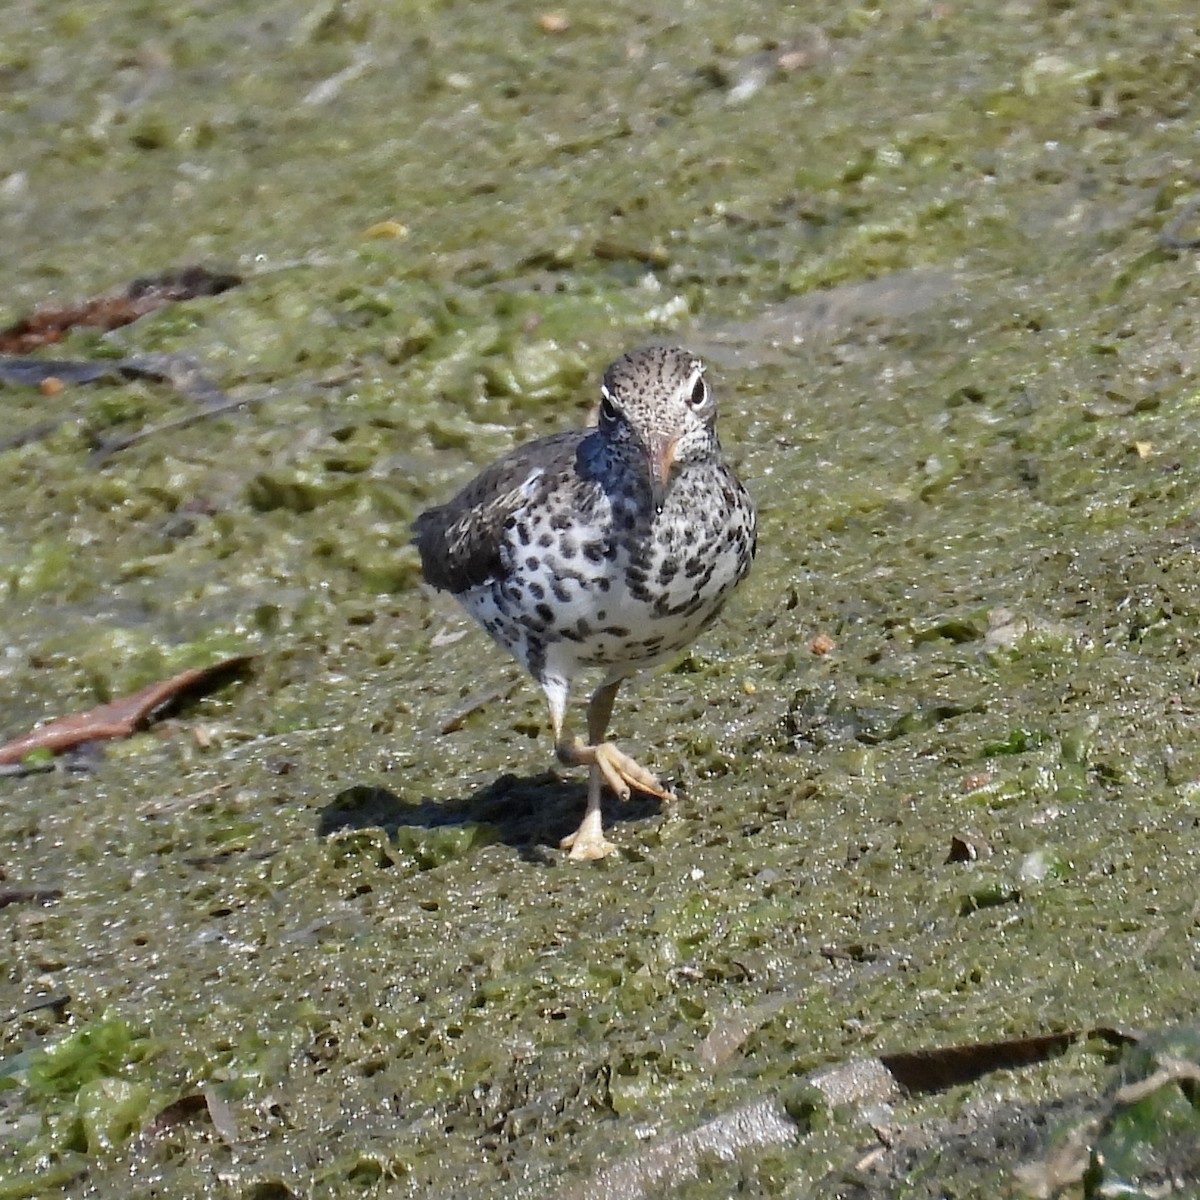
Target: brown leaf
176, 1113
51, 323
119, 718
932, 1070
966, 847
26, 895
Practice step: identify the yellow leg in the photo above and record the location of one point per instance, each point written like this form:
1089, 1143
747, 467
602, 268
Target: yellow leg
588, 841
608, 765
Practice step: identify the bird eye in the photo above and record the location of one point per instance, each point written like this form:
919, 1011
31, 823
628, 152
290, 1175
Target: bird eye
699, 393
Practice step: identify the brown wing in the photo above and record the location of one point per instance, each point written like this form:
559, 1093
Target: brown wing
460, 542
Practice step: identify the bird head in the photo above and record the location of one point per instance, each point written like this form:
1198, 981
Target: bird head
658, 413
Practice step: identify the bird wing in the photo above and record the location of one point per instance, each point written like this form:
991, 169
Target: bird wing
461, 543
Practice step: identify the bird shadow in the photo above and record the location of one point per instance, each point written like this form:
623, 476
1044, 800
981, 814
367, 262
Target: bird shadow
530, 813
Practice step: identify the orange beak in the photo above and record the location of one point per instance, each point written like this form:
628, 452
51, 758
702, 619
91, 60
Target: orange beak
660, 457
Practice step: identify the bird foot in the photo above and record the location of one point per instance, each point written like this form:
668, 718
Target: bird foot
620, 772
587, 843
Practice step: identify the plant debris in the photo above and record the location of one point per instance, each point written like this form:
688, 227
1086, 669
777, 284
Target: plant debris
933, 1069
51, 323
177, 370
119, 718
180, 1111
28, 895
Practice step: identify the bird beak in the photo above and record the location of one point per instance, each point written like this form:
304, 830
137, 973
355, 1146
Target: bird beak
660, 456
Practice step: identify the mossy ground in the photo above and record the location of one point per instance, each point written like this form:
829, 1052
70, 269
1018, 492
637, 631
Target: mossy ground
919, 245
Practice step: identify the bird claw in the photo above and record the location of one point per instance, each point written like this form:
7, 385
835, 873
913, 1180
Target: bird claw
619, 771
622, 773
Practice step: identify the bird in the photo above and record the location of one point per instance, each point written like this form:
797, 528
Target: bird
611, 546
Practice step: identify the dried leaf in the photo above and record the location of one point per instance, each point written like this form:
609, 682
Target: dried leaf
175, 1113
221, 1115
120, 718
52, 323
28, 895
934, 1069
967, 847
186, 1107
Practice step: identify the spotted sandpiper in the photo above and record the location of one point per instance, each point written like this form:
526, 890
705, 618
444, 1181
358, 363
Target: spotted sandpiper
609, 547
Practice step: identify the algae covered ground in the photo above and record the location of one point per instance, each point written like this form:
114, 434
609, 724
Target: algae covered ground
311, 935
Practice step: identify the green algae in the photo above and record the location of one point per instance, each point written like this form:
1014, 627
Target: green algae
1151, 1139
957, 372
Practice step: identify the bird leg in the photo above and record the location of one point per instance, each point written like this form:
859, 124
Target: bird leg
608, 765
588, 841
